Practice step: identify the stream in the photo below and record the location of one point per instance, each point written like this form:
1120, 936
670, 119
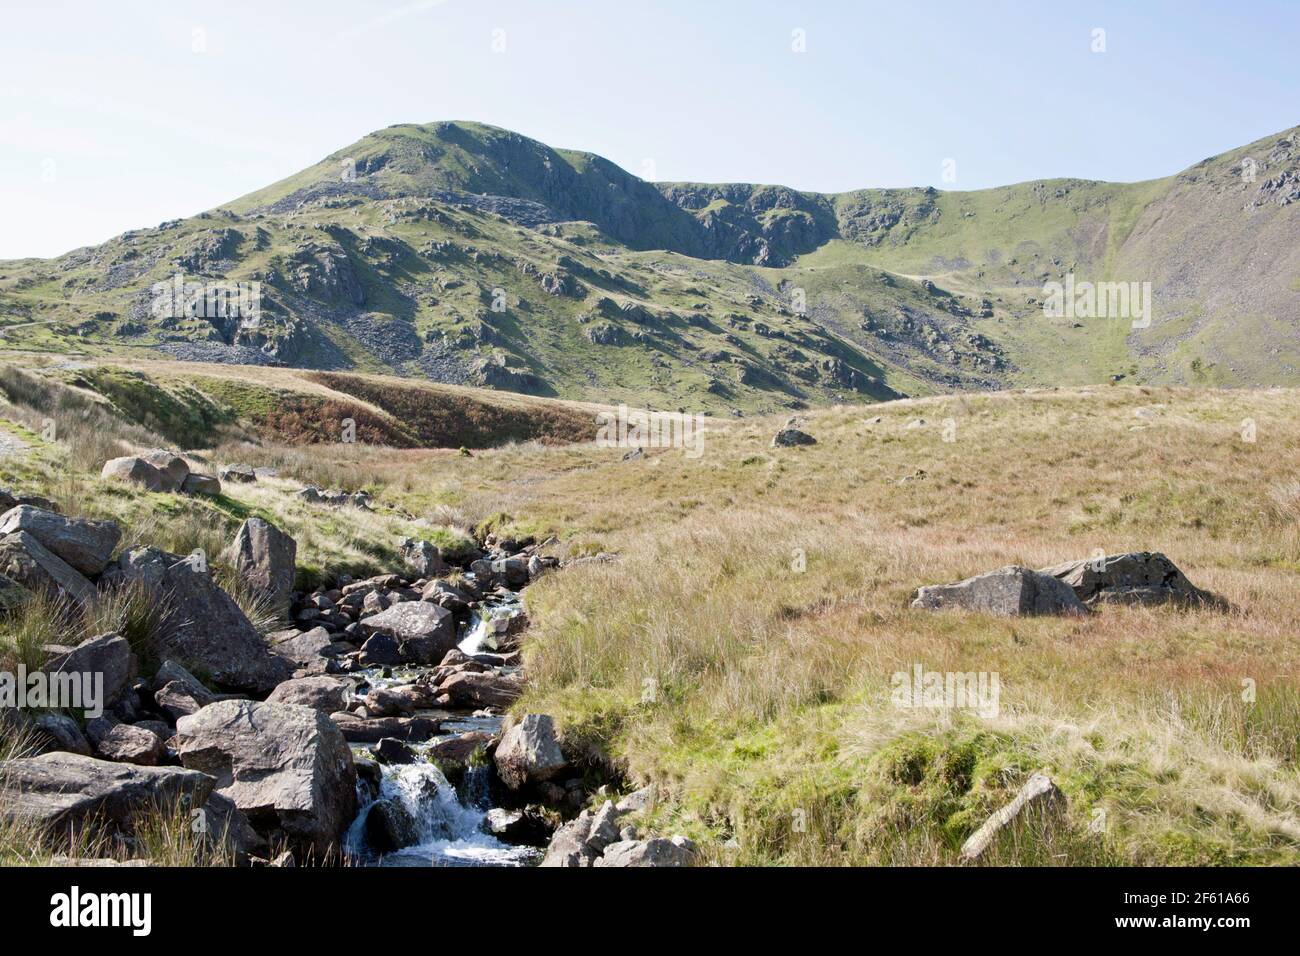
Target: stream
448, 818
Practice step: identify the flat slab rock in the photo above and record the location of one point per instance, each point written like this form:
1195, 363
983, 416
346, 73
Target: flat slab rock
1007, 592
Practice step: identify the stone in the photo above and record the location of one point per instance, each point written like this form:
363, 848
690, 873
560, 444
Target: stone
423, 558
789, 437
424, 632
124, 743
240, 474
264, 556
1136, 577
389, 826
527, 827
226, 825
135, 470
178, 693
393, 751
60, 732
1007, 592
1038, 791
328, 694
359, 730
654, 852
310, 650
568, 847
380, 649
204, 628
27, 562
108, 655
61, 791
287, 767
12, 595
170, 465
83, 544
481, 689
200, 484
529, 752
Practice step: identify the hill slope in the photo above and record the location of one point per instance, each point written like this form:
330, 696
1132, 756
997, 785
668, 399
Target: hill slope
467, 254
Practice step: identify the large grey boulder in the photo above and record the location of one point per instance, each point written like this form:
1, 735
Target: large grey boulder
85, 545
529, 752
328, 694
1006, 592
204, 629
287, 767
424, 632
1136, 577
264, 556
60, 791
171, 466
26, 561
653, 852
107, 655
423, 558
136, 471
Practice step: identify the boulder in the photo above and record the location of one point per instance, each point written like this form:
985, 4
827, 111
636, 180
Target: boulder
83, 544
135, 470
568, 847
655, 852
368, 731
1006, 592
471, 688
389, 826
529, 752
240, 474
264, 556
424, 632
307, 650
12, 595
527, 826
789, 437
1137, 577
178, 693
1038, 791
108, 655
199, 484
328, 694
287, 767
392, 751
60, 732
170, 465
203, 626
423, 558
124, 743
27, 562
226, 825
64, 790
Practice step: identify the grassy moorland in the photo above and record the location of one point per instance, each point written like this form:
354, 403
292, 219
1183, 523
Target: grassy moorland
739, 649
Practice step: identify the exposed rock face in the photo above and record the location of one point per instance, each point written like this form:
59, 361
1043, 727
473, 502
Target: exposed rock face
1138, 577
83, 544
1007, 592
424, 632
654, 852
529, 752
1038, 791
788, 437
264, 556
287, 767
26, 561
61, 790
108, 654
205, 629
328, 694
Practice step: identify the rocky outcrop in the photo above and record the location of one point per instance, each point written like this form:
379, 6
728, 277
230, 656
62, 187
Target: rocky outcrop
287, 767
1136, 577
84, 545
204, 628
1006, 592
265, 558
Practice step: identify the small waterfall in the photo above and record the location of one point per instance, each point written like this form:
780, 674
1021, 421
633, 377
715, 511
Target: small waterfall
449, 833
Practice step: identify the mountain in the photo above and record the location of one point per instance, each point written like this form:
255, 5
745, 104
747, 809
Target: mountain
467, 254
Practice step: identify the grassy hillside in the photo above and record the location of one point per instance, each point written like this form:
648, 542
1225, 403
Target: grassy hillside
464, 254
739, 649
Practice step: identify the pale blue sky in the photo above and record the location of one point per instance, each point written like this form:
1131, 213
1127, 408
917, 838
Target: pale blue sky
119, 115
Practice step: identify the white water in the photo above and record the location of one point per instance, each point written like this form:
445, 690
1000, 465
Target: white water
450, 833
